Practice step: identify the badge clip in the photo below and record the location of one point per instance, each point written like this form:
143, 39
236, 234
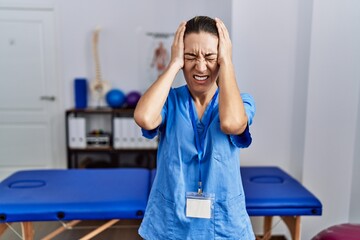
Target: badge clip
200, 188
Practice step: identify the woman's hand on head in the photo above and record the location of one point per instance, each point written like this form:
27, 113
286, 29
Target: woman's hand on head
177, 48
225, 45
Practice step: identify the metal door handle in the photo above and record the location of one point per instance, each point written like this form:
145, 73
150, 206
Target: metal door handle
47, 98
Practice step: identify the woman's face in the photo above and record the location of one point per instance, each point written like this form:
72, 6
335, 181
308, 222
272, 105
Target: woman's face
201, 69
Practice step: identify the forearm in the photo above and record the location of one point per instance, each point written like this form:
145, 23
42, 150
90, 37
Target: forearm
233, 119
148, 110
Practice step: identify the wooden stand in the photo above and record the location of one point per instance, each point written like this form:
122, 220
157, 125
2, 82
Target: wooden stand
292, 223
27, 230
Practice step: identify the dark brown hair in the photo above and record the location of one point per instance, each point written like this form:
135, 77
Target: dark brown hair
201, 24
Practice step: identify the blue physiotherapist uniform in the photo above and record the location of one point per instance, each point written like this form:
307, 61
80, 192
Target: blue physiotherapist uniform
178, 173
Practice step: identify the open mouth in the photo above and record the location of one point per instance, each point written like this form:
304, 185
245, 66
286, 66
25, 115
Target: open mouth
201, 78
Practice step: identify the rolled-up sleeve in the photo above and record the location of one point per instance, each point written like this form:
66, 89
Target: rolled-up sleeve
249, 105
244, 139
150, 134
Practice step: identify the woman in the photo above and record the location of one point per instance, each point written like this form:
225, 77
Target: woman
197, 192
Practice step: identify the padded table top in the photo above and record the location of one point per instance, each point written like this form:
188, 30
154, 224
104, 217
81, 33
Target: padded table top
43, 195
269, 191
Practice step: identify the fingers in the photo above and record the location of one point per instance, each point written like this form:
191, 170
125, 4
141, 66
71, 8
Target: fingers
179, 35
225, 46
177, 49
223, 32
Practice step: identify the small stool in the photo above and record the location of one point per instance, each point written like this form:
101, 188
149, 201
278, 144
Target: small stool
340, 232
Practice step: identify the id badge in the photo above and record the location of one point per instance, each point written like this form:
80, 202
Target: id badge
199, 205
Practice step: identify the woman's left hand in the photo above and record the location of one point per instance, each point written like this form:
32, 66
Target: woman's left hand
225, 46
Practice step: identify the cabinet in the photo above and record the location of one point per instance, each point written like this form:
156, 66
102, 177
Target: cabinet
106, 138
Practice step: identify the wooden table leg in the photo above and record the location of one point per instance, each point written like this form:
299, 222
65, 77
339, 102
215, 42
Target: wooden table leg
100, 229
3, 228
267, 227
293, 224
61, 229
27, 230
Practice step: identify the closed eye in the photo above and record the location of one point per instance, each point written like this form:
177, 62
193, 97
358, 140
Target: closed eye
210, 59
190, 56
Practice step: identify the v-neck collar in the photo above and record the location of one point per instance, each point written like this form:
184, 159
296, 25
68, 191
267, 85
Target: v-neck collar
205, 118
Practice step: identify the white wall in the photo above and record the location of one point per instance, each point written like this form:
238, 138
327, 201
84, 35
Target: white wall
124, 27
265, 35
332, 105
355, 189
300, 59
271, 51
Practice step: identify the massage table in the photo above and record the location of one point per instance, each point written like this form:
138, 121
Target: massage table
269, 192
113, 194
76, 194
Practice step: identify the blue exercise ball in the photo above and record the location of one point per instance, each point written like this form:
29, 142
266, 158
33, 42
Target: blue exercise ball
132, 98
115, 98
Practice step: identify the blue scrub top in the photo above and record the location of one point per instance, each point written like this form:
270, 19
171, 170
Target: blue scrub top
178, 173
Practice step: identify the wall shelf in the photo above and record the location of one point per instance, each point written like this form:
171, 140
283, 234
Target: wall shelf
119, 125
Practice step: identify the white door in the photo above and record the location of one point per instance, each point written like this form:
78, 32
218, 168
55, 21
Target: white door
30, 128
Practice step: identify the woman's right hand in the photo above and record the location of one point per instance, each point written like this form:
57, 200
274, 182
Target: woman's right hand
177, 48
148, 110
